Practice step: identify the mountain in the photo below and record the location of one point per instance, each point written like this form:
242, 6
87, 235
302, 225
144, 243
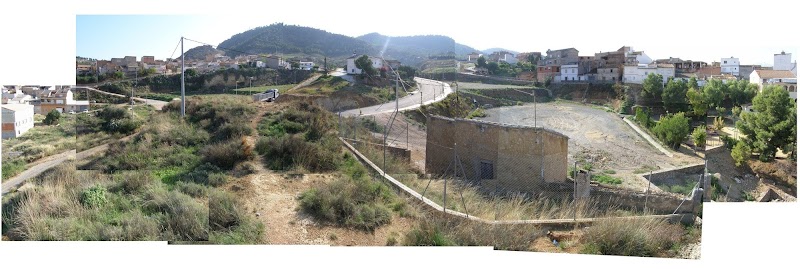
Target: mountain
413, 50
200, 53
291, 39
492, 50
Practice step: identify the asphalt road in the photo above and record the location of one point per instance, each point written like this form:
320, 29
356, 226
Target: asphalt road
428, 91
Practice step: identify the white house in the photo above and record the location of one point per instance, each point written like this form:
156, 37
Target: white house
508, 58
784, 78
782, 61
569, 72
377, 63
17, 119
729, 66
637, 73
306, 65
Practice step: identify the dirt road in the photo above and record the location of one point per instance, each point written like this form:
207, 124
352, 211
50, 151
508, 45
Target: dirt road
37, 168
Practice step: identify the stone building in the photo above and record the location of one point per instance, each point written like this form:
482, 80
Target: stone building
496, 156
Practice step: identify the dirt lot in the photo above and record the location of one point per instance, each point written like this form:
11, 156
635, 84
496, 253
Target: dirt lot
595, 135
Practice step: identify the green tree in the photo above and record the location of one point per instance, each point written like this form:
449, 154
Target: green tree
772, 124
674, 96
699, 136
296, 65
672, 129
365, 65
735, 111
52, 117
693, 83
534, 60
714, 92
118, 75
741, 91
719, 123
697, 100
481, 62
493, 68
740, 153
653, 85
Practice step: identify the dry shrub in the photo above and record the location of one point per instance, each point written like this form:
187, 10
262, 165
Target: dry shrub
631, 237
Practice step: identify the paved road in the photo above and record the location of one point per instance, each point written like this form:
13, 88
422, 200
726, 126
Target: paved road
158, 104
429, 91
342, 74
38, 167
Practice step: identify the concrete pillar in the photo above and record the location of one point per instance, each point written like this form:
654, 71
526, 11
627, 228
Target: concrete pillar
696, 200
582, 186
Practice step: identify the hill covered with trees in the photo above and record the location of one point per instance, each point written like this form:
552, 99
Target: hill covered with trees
292, 39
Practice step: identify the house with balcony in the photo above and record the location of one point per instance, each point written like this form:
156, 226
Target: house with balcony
784, 78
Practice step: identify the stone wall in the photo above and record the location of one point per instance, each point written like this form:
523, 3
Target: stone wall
402, 153
519, 158
657, 203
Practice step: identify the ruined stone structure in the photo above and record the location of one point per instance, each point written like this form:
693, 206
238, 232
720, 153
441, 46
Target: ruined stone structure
496, 156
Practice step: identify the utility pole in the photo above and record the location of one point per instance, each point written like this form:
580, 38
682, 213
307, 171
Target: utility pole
183, 81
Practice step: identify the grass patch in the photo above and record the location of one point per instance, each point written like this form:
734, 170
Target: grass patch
684, 189
645, 169
607, 179
12, 167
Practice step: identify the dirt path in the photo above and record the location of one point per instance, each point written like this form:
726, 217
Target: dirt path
272, 198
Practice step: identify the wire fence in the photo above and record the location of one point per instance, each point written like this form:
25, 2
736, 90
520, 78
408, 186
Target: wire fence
501, 172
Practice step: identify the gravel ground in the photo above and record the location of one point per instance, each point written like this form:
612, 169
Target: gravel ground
594, 134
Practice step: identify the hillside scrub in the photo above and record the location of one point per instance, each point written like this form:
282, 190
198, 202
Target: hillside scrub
353, 200
302, 136
185, 160
65, 204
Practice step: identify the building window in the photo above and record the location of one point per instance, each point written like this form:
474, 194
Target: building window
487, 170
725, 61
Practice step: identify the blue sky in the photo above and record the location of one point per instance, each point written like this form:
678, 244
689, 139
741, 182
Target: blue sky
107, 36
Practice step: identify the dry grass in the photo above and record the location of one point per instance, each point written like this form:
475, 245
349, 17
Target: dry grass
433, 231
631, 237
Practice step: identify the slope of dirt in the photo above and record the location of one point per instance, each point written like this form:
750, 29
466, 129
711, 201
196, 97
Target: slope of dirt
272, 198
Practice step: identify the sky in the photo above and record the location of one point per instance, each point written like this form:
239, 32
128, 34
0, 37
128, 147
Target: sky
533, 28
40, 41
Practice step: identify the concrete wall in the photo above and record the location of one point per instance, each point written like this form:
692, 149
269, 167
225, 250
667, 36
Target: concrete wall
523, 158
673, 176
657, 203
402, 153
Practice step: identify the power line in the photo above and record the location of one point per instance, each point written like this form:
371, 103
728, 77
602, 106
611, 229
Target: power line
176, 49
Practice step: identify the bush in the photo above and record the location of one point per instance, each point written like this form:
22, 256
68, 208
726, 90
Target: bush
135, 182
699, 136
631, 237
226, 155
233, 130
643, 118
184, 218
52, 117
94, 197
192, 189
741, 153
358, 203
477, 113
672, 129
606, 179
118, 120
223, 210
